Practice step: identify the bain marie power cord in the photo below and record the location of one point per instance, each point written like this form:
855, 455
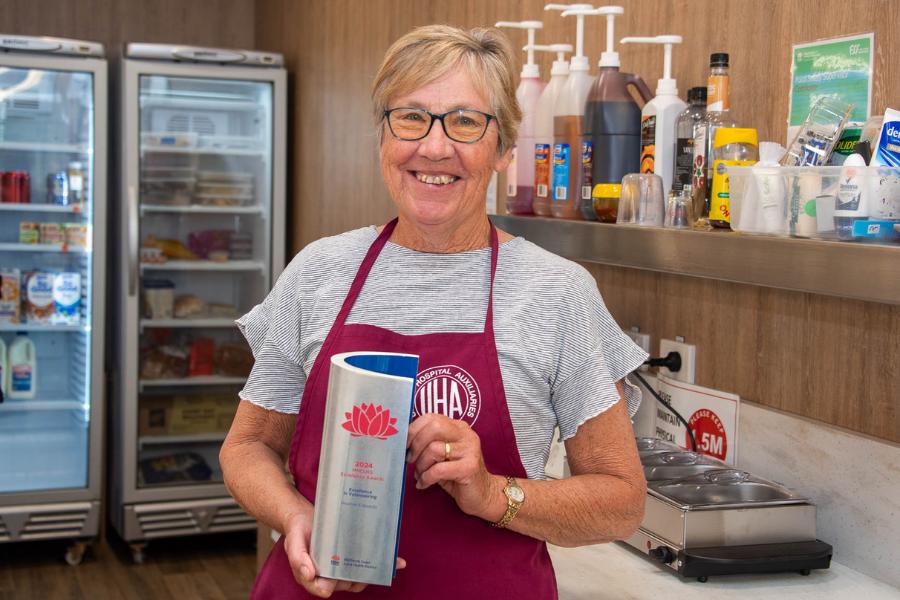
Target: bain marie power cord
671, 361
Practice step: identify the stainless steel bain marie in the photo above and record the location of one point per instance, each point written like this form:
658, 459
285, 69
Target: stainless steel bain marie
703, 518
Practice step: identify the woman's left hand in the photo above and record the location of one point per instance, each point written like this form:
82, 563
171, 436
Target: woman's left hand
462, 474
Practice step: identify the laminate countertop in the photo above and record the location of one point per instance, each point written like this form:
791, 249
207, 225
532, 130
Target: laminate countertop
619, 572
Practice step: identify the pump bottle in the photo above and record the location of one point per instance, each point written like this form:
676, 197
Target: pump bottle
612, 117
543, 128
520, 173
572, 159
658, 116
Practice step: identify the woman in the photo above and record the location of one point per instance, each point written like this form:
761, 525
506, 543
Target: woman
526, 330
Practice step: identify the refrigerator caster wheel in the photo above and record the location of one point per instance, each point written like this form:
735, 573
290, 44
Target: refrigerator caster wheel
805, 572
703, 579
137, 553
75, 553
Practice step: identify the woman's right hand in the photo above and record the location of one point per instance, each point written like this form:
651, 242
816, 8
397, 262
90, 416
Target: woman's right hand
296, 544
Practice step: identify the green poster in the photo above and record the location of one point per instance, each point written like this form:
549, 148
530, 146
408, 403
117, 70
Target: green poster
840, 67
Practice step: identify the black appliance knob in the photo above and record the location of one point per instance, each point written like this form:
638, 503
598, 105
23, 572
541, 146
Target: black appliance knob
663, 554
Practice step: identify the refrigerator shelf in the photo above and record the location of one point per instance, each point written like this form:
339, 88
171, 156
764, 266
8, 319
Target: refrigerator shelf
213, 102
202, 210
209, 380
203, 265
42, 405
171, 440
42, 147
186, 323
62, 248
261, 152
42, 327
47, 208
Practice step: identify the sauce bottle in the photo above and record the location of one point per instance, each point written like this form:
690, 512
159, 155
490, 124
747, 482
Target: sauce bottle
543, 128
520, 173
572, 157
612, 117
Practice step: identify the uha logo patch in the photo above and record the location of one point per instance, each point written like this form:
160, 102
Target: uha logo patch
448, 390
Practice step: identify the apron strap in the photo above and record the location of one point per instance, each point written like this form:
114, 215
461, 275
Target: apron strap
372, 255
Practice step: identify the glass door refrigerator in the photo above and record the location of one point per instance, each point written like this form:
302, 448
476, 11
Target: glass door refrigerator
52, 286
201, 241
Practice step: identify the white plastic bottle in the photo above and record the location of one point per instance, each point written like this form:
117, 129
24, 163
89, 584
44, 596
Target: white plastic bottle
543, 128
851, 202
22, 368
4, 370
520, 173
572, 159
660, 115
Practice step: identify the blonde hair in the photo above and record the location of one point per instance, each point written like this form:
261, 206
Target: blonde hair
426, 54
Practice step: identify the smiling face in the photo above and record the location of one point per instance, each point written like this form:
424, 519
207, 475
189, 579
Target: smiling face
436, 182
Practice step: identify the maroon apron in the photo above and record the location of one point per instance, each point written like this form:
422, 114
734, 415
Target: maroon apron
450, 555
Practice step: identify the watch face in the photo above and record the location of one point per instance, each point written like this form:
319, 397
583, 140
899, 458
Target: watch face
515, 493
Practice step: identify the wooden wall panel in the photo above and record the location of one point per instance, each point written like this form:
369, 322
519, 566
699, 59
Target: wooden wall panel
226, 23
828, 359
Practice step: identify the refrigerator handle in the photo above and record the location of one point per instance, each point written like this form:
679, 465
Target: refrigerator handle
132, 240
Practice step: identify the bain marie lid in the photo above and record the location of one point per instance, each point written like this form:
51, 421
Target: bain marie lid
679, 459
725, 477
652, 444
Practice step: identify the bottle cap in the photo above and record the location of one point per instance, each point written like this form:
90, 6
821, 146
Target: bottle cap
718, 59
607, 190
697, 94
735, 135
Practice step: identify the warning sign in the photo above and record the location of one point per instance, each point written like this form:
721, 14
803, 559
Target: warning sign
711, 414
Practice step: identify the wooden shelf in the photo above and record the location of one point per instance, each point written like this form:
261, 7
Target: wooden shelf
861, 271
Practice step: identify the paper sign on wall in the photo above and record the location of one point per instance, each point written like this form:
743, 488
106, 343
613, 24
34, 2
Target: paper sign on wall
838, 67
712, 415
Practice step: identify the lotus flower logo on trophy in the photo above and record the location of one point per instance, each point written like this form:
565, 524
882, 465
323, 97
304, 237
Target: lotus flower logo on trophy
370, 421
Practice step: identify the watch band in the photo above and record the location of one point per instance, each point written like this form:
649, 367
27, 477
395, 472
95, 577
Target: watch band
512, 507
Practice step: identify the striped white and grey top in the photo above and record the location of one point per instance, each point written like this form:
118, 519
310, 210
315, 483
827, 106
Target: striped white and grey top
560, 350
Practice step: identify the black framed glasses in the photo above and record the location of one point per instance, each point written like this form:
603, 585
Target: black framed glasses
461, 125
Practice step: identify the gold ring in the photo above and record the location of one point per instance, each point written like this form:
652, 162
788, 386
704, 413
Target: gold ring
446, 451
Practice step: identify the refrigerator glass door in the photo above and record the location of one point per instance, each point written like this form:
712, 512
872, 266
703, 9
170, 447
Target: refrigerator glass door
46, 219
205, 204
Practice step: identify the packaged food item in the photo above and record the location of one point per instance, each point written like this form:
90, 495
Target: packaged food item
52, 233
22, 368
76, 175
77, 235
234, 360
732, 146
174, 468
10, 295
221, 311
240, 246
202, 243
159, 298
605, 201
38, 294
218, 256
170, 248
58, 188
186, 414
29, 233
164, 362
202, 357
66, 299
4, 370
152, 255
189, 306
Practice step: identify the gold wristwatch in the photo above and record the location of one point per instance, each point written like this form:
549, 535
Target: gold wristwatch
515, 498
